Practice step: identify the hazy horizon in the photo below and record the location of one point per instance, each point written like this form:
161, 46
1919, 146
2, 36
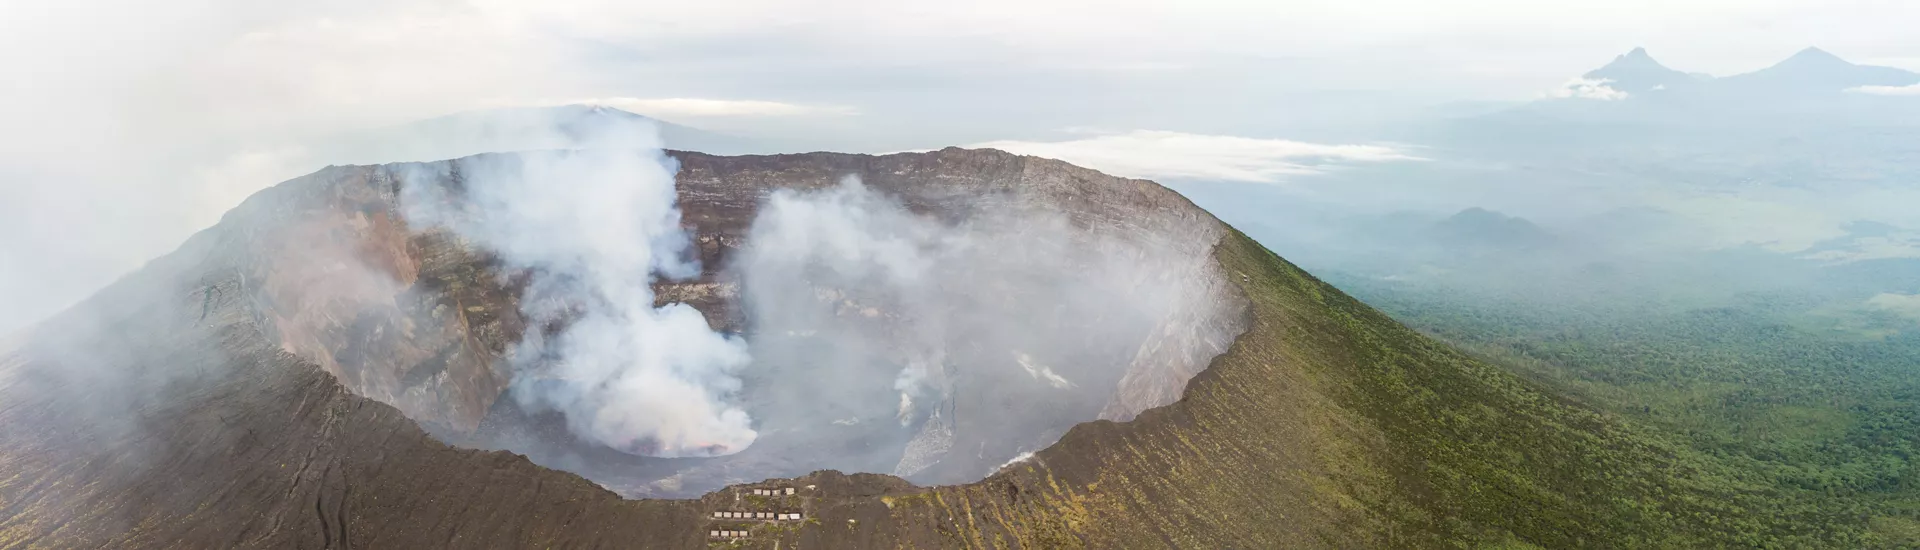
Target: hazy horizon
141, 124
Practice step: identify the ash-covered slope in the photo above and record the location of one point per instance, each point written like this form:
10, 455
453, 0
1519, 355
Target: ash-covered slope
238, 393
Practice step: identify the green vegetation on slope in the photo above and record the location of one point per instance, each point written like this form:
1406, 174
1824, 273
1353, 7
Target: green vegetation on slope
1822, 411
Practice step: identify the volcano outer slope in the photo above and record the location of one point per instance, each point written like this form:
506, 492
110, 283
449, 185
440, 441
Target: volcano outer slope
1325, 425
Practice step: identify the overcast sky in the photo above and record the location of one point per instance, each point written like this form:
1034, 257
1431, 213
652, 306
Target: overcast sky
127, 124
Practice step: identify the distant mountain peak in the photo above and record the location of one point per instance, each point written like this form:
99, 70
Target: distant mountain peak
1637, 59
1483, 228
1813, 52
1814, 57
1637, 72
1817, 71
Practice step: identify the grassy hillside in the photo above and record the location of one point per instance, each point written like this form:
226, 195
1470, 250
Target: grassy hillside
1824, 408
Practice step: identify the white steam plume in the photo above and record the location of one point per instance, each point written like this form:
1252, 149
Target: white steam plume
960, 336
857, 240
592, 228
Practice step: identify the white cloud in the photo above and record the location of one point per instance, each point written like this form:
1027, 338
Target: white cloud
1905, 305
1872, 248
1913, 90
1582, 88
685, 107
1175, 155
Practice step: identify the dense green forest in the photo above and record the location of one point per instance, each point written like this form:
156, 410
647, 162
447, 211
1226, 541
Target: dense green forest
1822, 407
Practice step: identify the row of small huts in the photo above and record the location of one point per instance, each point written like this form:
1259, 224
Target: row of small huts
758, 515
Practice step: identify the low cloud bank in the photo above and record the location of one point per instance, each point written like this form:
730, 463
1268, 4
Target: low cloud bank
1155, 154
1904, 305
687, 107
1910, 90
1586, 88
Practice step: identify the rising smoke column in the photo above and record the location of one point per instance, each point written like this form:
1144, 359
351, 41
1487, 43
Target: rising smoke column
848, 237
978, 327
592, 228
